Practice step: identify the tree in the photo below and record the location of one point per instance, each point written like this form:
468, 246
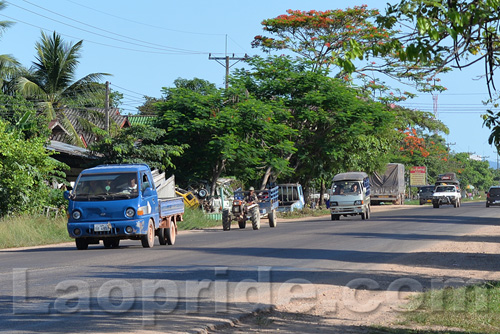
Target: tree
224, 131
473, 172
137, 144
454, 33
9, 66
331, 120
51, 79
26, 170
339, 38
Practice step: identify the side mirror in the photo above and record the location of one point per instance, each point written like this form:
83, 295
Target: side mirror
147, 192
67, 194
329, 191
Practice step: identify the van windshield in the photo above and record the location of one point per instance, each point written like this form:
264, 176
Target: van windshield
346, 188
110, 186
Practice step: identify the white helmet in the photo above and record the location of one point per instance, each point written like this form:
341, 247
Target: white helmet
251, 188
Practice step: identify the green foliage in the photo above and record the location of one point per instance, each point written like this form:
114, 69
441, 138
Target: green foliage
347, 39
137, 144
32, 230
23, 116
448, 33
473, 172
331, 121
25, 170
224, 130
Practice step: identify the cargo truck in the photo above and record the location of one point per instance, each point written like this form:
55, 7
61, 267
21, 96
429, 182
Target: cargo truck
117, 202
389, 186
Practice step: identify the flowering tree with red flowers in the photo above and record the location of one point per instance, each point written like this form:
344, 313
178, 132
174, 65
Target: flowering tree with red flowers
343, 38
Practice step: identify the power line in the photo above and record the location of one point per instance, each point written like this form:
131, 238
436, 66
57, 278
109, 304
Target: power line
97, 43
145, 24
171, 49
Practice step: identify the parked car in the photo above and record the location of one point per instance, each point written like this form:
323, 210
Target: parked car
425, 194
493, 196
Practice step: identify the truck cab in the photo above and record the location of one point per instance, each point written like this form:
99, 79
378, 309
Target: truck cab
350, 195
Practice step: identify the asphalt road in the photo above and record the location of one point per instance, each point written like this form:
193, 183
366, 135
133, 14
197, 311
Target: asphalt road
210, 276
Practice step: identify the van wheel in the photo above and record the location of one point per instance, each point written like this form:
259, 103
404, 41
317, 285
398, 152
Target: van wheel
148, 240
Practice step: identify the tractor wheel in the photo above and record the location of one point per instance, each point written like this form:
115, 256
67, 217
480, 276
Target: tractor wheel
255, 218
226, 220
242, 223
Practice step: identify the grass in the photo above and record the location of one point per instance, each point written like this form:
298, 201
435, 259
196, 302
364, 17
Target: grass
29, 230
473, 308
305, 212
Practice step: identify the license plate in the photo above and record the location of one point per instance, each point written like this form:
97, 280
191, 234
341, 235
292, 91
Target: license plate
101, 227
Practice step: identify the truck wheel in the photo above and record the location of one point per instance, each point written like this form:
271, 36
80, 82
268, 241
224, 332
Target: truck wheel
111, 242
171, 233
81, 244
161, 236
367, 213
272, 219
242, 223
148, 240
226, 220
335, 217
255, 218
435, 205
487, 204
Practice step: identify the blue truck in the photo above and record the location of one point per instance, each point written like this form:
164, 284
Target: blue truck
241, 211
117, 202
291, 197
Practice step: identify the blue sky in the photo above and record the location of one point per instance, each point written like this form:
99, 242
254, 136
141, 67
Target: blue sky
147, 45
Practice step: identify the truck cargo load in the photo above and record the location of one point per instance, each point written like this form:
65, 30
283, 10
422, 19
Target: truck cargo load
389, 186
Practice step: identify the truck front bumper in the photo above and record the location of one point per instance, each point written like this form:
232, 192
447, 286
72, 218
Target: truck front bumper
123, 229
347, 210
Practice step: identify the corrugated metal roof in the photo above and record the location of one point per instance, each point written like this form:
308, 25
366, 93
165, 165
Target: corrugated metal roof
96, 116
142, 119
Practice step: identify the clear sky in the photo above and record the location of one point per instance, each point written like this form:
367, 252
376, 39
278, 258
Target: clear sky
146, 45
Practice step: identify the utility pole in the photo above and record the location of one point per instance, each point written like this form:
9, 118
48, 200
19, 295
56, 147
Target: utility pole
226, 63
106, 107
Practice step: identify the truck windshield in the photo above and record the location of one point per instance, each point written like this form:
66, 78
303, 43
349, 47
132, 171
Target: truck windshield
443, 189
92, 187
346, 188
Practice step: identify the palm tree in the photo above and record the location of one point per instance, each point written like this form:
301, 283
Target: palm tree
9, 66
50, 80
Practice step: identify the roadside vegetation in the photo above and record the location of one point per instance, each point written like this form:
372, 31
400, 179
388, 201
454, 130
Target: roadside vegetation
473, 309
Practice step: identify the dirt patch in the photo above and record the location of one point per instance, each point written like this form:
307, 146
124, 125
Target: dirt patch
470, 260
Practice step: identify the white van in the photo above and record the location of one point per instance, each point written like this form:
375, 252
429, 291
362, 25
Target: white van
350, 195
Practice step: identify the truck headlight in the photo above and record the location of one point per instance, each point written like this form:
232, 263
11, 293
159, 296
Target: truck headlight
76, 215
358, 202
334, 204
130, 212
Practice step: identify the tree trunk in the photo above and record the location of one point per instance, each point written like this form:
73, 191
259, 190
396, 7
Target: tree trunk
216, 172
265, 178
321, 193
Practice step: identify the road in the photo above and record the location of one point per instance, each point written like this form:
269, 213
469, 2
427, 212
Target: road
210, 276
